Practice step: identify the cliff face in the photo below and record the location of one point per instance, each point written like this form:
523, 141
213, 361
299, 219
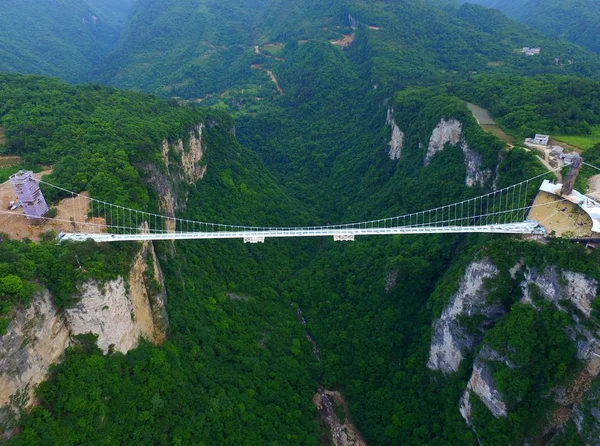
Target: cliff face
451, 132
482, 384
186, 166
120, 315
450, 339
397, 141
568, 291
190, 158
118, 312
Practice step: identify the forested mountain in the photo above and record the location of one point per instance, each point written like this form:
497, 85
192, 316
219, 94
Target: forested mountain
577, 21
62, 38
306, 112
394, 43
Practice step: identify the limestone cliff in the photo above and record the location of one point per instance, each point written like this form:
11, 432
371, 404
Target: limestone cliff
397, 142
482, 384
183, 160
568, 291
190, 156
450, 339
451, 132
119, 312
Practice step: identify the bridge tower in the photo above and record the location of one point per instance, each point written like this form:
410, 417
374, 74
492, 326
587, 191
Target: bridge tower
29, 194
569, 181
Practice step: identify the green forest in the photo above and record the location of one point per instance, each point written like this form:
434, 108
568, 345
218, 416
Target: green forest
571, 20
238, 366
61, 38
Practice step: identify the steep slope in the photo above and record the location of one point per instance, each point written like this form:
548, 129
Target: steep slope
184, 48
226, 327
573, 20
208, 47
60, 38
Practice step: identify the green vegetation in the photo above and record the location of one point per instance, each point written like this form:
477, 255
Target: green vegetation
543, 104
211, 49
63, 38
583, 142
242, 371
573, 20
374, 343
6, 172
26, 267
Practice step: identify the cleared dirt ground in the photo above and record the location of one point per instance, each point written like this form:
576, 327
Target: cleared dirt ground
344, 41
564, 218
17, 226
8, 161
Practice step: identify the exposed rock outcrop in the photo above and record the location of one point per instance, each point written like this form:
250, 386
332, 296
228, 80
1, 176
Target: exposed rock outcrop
191, 165
36, 338
446, 132
570, 292
117, 312
391, 279
451, 132
187, 166
449, 339
397, 142
120, 316
343, 432
167, 194
482, 384
553, 286
586, 416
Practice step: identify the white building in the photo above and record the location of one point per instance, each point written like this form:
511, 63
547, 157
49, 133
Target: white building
542, 140
530, 51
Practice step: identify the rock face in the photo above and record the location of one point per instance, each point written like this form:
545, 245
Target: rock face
397, 141
482, 384
449, 338
167, 195
391, 279
119, 316
38, 336
553, 286
36, 339
446, 132
188, 168
343, 431
451, 132
191, 158
558, 287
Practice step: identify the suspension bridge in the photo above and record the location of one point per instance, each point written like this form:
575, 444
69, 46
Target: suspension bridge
503, 211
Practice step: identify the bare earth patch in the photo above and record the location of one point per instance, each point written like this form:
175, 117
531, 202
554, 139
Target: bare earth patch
271, 75
17, 226
9, 161
343, 432
345, 41
564, 218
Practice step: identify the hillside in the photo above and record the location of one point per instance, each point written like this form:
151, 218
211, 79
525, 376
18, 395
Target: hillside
65, 39
573, 20
391, 45
277, 113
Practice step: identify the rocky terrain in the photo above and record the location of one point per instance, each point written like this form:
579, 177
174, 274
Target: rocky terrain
451, 132
570, 292
120, 312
